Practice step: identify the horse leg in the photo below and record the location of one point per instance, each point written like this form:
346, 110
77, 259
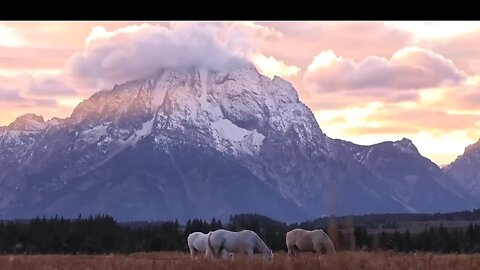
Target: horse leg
318, 249
217, 253
226, 255
192, 252
291, 251
221, 249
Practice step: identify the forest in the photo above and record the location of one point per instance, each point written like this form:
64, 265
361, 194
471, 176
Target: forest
102, 234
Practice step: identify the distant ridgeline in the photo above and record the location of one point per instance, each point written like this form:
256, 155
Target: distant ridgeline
447, 232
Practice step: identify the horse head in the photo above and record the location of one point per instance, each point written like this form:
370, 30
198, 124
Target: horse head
267, 254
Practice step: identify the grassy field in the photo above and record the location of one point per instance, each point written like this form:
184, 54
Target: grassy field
182, 261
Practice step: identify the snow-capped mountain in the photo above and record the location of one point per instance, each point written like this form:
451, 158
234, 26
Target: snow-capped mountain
465, 170
192, 142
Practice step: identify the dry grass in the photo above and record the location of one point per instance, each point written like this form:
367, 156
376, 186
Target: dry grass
182, 261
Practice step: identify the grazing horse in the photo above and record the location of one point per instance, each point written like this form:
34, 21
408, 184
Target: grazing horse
245, 241
197, 243
303, 240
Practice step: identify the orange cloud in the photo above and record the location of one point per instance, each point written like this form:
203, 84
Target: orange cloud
425, 119
381, 130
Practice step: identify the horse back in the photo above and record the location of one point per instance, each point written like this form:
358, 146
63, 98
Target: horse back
301, 239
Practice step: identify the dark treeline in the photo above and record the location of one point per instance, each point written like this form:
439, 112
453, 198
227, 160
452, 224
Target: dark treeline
102, 234
373, 220
438, 239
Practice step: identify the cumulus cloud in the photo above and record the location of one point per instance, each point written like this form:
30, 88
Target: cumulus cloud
50, 86
139, 50
300, 41
269, 66
408, 68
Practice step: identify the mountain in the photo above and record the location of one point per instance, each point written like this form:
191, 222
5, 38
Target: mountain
192, 142
465, 170
415, 181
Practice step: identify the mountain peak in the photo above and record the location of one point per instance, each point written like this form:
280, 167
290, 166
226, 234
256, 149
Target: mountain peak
55, 121
406, 145
465, 170
28, 122
153, 147
472, 148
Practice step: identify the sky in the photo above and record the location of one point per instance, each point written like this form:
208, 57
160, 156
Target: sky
365, 82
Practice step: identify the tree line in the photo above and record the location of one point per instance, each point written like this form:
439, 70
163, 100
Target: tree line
373, 220
101, 234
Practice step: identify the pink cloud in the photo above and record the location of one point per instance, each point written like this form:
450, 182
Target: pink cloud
13, 98
355, 40
9, 95
50, 86
45, 103
463, 49
33, 57
408, 68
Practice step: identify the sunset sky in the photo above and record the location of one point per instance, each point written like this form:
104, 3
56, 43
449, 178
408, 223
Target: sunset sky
366, 82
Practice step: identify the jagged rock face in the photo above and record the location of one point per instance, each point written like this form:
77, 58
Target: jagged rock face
465, 170
191, 143
415, 181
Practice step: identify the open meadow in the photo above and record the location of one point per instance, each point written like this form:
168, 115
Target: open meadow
182, 261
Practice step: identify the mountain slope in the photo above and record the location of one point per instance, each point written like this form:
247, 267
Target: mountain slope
190, 142
415, 181
465, 170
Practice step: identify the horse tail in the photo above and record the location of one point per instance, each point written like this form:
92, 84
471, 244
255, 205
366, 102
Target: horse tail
209, 244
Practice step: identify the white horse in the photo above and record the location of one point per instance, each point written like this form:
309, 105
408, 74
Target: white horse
245, 241
197, 243
303, 240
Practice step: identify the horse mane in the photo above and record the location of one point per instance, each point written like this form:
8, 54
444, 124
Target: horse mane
327, 242
329, 246
261, 245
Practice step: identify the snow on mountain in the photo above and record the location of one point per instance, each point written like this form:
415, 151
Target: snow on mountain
406, 146
20, 135
194, 142
28, 122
